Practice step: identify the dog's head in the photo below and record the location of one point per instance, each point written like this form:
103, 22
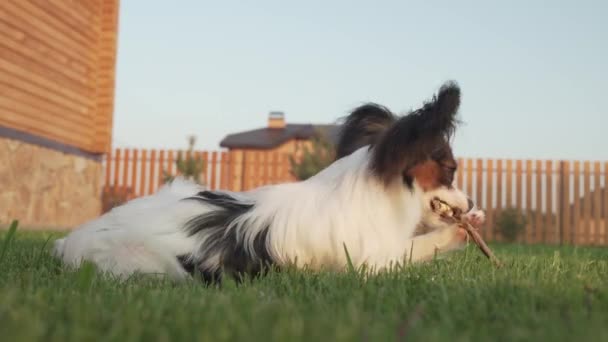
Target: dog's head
413, 150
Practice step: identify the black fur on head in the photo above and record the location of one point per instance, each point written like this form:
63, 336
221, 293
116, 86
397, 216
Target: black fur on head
418, 136
362, 127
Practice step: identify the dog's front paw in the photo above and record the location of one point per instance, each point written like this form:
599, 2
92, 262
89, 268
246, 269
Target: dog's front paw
475, 218
460, 238
453, 238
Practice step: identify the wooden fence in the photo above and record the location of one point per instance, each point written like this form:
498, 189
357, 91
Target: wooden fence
561, 201
141, 172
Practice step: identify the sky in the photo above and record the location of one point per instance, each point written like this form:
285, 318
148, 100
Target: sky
533, 73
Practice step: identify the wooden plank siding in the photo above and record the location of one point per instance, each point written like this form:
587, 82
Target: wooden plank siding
57, 70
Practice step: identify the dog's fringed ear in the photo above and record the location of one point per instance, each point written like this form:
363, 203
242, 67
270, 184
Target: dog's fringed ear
363, 127
413, 138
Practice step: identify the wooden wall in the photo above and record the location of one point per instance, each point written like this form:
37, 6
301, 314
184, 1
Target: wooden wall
57, 62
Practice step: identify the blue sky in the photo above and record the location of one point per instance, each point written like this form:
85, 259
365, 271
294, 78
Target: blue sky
533, 73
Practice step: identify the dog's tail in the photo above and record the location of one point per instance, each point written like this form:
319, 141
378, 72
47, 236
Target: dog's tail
58, 247
145, 235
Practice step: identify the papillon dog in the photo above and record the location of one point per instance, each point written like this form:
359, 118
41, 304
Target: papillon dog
368, 204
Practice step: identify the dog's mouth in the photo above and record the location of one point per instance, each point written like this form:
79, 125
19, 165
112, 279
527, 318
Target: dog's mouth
445, 211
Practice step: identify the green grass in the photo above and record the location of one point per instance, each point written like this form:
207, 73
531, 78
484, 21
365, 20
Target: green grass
542, 294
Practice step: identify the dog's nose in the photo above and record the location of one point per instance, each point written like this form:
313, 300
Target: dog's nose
471, 204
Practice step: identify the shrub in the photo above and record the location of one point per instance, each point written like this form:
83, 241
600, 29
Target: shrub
308, 162
189, 167
510, 224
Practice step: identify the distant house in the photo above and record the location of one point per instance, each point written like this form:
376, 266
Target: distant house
278, 136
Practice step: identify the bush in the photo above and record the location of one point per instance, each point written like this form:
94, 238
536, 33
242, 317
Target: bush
311, 161
189, 167
510, 224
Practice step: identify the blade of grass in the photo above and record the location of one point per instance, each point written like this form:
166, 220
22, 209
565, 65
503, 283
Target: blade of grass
40, 255
351, 267
9, 237
411, 251
85, 276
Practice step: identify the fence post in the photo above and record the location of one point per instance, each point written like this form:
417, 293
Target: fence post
460, 174
108, 166
233, 173
243, 171
134, 186
564, 207
530, 227
117, 161
551, 221
490, 206
597, 204
540, 229
585, 225
213, 180
152, 180
125, 170
161, 168
142, 180
605, 216
560, 203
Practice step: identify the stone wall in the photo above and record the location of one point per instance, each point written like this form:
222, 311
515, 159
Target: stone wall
45, 188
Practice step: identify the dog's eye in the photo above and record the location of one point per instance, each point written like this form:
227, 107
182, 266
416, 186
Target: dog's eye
449, 172
449, 168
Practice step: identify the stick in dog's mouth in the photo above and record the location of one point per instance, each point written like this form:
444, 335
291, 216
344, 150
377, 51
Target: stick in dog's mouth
454, 215
445, 211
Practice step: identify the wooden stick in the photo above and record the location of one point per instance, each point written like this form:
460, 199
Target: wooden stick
447, 212
474, 234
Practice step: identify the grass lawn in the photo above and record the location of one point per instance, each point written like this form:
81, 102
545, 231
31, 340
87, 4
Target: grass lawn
543, 294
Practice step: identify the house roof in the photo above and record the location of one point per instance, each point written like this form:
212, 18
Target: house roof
266, 138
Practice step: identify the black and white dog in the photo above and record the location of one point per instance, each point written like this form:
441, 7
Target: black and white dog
371, 200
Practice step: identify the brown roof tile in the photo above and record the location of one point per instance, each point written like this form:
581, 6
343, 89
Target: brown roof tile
266, 138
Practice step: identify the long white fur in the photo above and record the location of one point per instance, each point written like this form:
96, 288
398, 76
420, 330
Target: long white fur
309, 224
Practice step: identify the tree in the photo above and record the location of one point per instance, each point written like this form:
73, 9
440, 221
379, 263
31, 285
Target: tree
308, 162
189, 167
